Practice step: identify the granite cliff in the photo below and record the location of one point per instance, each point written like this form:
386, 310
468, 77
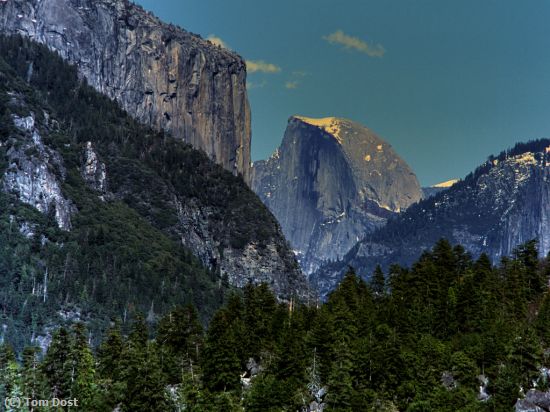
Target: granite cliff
162, 75
102, 218
505, 202
330, 182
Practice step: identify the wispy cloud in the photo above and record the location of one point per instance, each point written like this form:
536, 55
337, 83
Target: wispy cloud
292, 84
255, 66
217, 41
355, 43
255, 85
295, 79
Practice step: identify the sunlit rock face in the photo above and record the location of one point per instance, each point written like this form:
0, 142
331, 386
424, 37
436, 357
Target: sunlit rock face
330, 182
161, 74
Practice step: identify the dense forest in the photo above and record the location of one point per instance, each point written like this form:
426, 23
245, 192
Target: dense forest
448, 334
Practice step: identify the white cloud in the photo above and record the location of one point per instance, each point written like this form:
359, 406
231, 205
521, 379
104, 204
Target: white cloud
261, 66
355, 43
217, 41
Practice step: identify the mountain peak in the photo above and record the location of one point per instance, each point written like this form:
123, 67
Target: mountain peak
331, 181
331, 125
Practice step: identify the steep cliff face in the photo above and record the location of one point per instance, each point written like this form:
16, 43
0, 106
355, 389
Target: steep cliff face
504, 203
162, 75
153, 208
35, 172
330, 182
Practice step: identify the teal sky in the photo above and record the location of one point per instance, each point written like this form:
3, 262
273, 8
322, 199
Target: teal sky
446, 83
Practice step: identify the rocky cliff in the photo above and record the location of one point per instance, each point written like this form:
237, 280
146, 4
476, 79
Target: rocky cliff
504, 203
330, 182
104, 218
161, 74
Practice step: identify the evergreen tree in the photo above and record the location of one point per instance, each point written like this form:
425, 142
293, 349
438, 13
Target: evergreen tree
528, 255
543, 319
180, 336
340, 385
57, 366
11, 382
33, 382
259, 309
83, 375
7, 360
378, 283
110, 367
143, 381
219, 360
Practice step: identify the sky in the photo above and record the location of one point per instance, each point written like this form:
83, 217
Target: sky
446, 83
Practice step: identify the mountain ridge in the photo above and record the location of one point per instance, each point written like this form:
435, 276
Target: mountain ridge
494, 209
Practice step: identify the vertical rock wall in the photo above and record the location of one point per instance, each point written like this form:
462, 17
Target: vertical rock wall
161, 74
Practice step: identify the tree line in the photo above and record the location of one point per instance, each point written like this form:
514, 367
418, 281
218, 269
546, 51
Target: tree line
424, 338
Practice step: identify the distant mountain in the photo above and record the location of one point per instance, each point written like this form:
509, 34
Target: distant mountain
331, 181
438, 187
501, 205
162, 75
102, 218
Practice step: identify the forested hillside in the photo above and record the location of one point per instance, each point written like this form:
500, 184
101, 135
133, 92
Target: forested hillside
449, 334
128, 214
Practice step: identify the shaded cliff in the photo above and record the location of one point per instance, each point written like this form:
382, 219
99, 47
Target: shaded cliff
504, 203
161, 74
330, 182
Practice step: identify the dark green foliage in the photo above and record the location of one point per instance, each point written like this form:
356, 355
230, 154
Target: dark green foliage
352, 352
220, 364
57, 365
181, 336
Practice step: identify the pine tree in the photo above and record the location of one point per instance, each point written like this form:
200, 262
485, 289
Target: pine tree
57, 366
528, 255
7, 358
110, 355
378, 283
11, 382
180, 336
340, 384
83, 373
33, 382
526, 356
543, 320
110, 367
259, 308
320, 340
145, 383
220, 364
